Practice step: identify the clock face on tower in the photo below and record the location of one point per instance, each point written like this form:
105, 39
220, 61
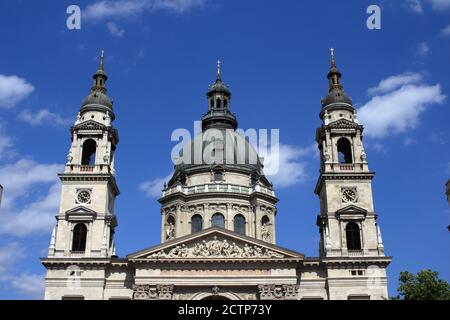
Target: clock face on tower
84, 197
348, 195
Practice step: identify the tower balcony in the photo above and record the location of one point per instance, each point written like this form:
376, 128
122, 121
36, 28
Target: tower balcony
77, 254
352, 253
86, 169
218, 188
345, 167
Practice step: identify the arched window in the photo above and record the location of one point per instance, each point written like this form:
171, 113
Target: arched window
79, 237
218, 220
88, 157
218, 106
239, 224
353, 236
196, 223
344, 150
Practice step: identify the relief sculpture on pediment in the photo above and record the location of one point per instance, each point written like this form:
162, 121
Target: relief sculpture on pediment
217, 248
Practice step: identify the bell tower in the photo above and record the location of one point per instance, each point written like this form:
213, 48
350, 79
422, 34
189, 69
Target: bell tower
347, 219
86, 220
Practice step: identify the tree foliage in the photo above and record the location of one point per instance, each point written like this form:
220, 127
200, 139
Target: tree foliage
425, 285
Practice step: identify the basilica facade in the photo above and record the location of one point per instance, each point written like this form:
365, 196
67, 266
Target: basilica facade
218, 215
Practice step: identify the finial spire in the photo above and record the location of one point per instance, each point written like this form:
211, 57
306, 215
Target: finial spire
102, 60
100, 76
333, 62
335, 89
218, 69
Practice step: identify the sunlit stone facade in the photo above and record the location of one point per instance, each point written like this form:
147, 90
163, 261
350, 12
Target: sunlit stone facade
218, 216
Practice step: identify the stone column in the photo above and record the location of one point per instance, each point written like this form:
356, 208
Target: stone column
178, 222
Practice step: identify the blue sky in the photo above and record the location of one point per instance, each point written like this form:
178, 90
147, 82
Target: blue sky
160, 58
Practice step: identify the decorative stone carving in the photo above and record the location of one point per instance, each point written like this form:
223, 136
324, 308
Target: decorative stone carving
326, 118
78, 119
69, 157
152, 292
106, 157
215, 248
90, 125
107, 119
326, 156
278, 292
290, 292
344, 124
215, 290
265, 233
363, 157
170, 231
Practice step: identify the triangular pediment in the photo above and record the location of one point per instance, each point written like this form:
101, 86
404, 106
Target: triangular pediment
215, 243
81, 210
351, 210
90, 125
343, 124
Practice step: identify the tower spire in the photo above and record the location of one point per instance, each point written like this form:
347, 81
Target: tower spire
100, 76
334, 75
219, 114
102, 61
98, 96
335, 88
218, 70
333, 62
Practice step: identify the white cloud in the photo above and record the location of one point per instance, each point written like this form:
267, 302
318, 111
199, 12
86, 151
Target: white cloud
398, 106
5, 143
108, 9
291, 169
446, 31
377, 147
21, 176
437, 5
115, 30
9, 254
13, 90
18, 180
408, 142
440, 5
141, 54
415, 5
394, 82
153, 188
5, 146
36, 217
31, 284
43, 116
423, 49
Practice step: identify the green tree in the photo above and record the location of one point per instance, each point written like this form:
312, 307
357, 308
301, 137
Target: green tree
425, 285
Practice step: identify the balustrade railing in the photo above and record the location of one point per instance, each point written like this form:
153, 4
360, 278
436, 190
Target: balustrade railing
218, 188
